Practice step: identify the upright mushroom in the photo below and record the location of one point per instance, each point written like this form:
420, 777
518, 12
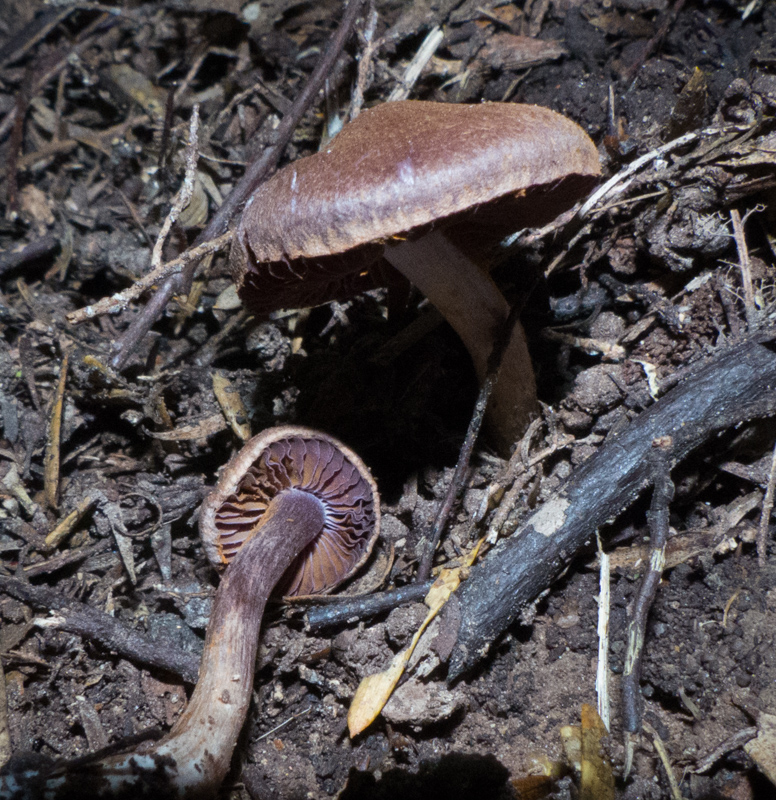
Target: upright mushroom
302, 510
426, 187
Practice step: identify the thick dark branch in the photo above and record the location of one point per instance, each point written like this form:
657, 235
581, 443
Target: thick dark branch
735, 386
97, 626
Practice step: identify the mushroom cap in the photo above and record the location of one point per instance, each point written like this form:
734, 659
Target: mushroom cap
299, 458
396, 168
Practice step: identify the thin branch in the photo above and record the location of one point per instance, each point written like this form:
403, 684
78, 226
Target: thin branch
365, 61
184, 193
256, 173
351, 609
664, 25
745, 267
120, 300
676, 793
430, 45
767, 510
734, 386
604, 603
459, 476
76, 617
662, 494
735, 742
472, 432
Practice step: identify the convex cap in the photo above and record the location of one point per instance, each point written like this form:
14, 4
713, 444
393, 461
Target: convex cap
397, 168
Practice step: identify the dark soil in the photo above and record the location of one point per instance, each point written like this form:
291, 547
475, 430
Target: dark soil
95, 114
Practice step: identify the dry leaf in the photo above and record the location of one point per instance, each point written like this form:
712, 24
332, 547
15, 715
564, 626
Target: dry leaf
232, 405
139, 88
373, 693
690, 105
228, 300
596, 778
192, 431
194, 214
374, 690
583, 746
35, 207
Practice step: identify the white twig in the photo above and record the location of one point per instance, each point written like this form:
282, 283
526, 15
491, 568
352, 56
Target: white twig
606, 195
158, 272
120, 300
745, 268
602, 670
415, 67
184, 193
365, 61
608, 188
284, 723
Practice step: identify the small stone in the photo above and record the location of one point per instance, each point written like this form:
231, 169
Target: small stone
420, 704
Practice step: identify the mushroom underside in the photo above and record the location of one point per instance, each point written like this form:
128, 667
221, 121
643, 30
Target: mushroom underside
442, 260
311, 482
318, 467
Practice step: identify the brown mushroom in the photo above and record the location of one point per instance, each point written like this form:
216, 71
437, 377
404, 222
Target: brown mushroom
305, 460
306, 512
426, 187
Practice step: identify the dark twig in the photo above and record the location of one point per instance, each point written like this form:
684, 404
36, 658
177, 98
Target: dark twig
475, 423
169, 112
662, 494
459, 476
352, 609
256, 172
83, 620
10, 259
668, 19
15, 149
765, 516
736, 741
67, 559
123, 745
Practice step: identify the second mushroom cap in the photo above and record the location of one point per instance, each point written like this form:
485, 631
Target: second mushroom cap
296, 458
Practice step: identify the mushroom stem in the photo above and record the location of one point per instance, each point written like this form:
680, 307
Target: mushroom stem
192, 760
471, 302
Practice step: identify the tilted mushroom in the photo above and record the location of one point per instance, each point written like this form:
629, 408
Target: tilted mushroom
303, 512
285, 458
426, 187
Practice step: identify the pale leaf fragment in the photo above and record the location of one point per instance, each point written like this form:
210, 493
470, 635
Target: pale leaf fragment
583, 746
374, 691
509, 51
596, 780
